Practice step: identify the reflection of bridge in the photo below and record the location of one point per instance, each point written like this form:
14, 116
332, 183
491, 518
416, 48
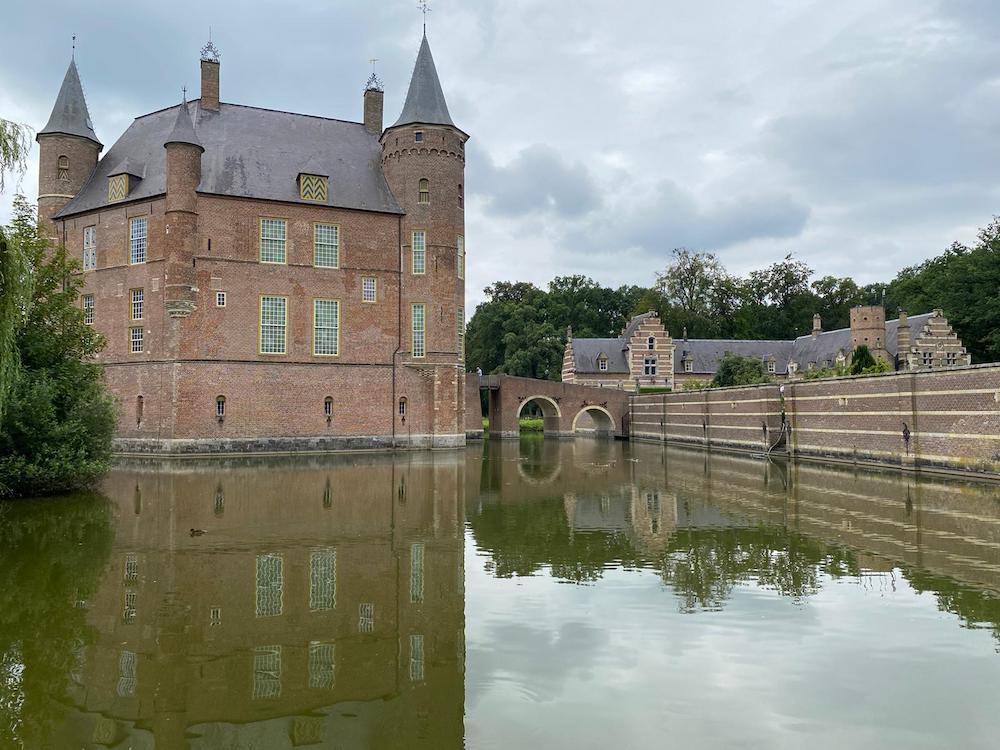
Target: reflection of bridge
566, 408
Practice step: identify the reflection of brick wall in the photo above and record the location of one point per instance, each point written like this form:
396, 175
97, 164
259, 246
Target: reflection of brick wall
944, 418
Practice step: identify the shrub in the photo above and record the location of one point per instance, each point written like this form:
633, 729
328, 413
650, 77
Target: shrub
735, 370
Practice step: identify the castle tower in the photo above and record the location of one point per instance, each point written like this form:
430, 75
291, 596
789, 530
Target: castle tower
423, 159
67, 149
184, 152
868, 329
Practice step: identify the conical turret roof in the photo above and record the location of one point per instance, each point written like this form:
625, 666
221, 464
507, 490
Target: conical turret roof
425, 100
70, 115
183, 131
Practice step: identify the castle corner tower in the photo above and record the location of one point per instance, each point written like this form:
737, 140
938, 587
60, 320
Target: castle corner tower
68, 149
423, 159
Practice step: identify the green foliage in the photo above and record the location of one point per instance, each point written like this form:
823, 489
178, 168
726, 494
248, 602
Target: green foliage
735, 370
697, 385
531, 424
56, 430
52, 555
862, 360
15, 144
15, 296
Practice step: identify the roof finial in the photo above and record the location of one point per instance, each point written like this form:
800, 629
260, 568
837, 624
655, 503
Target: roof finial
374, 82
184, 93
425, 10
210, 53
73, 52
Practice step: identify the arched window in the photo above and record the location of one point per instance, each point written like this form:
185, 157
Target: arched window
138, 409
651, 343
63, 166
461, 195
402, 406
328, 408
424, 188
220, 407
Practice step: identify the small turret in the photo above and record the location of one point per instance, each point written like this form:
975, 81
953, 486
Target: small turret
68, 149
184, 152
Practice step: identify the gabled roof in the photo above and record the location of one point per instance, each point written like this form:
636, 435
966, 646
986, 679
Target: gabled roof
634, 324
705, 354
825, 346
128, 166
183, 131
70, 115
252, 153
424, 99
587, 351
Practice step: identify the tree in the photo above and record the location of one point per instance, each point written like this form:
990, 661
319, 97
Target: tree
736, 370
15, 143
861, 360
56, 430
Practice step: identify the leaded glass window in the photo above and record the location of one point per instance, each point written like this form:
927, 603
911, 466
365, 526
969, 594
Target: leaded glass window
135, 340
88, 309
369, 289
326, 327
419, 323
137, 297
89, 248
137, 240
273, 320
419, 251
326, 245
272, 240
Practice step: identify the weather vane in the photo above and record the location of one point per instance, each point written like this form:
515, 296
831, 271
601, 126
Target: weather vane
374, 82
210, 53
425, 10
74, 47
184, 93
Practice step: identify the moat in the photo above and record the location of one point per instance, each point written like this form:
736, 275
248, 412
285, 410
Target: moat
516, 594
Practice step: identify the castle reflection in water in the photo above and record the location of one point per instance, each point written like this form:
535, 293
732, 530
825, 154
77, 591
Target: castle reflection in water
324, 604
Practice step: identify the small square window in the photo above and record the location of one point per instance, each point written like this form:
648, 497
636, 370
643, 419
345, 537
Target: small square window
418, 136
220, 299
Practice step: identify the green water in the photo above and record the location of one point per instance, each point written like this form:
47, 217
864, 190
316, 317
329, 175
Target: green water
541, 594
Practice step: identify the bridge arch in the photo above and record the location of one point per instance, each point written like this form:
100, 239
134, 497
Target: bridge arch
604, 422
551, 413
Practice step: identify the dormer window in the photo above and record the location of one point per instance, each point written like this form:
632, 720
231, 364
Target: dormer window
602, 363
424, 191
651, 343
314, 188
688, 365
771, 367
117, 188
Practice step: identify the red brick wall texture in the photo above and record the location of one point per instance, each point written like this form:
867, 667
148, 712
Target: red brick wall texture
945, 419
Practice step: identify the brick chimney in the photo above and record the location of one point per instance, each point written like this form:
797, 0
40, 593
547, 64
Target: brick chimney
817, 325
209, 77
903, 342
373, 111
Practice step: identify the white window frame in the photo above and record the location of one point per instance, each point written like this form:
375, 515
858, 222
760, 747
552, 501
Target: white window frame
267, 672
649, 367
88, 309
460, 257
418, 252
322, 661
138, 239
418, 330
269, 585
136, 337
137, 298
273, 248
330, 244
688, 365
369, 289
416, 657
90, 248
772, 367
220, 299
651, 344
366, 617
417, 573
602, 364
273, 326
329, 325
460, 324
323, 579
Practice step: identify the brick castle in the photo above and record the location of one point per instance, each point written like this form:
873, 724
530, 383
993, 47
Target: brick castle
268, 280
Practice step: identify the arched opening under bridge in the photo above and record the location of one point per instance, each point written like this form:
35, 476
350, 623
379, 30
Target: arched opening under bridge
541, 407
594, 420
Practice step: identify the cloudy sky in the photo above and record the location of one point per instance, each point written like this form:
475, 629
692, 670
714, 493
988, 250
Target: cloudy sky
862, 135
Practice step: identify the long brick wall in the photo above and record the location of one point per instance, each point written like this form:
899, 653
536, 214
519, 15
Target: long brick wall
940, 419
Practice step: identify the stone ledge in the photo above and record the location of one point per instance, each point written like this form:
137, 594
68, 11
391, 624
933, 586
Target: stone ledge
281, 445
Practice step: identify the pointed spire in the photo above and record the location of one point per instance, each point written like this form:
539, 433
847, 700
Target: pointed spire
425, 100
183, 131
69, 115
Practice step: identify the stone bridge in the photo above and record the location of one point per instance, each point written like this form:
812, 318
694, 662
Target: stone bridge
566, 408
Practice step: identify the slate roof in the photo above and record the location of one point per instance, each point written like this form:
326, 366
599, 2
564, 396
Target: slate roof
706, 353
826, 345
250, 152
183, 131
635, 323
424, 99
587, 351
70, 114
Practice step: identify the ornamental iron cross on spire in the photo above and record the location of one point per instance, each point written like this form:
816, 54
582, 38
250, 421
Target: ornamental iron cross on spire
425, 10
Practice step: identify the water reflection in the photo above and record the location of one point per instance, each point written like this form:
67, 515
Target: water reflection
708, 523
322, 602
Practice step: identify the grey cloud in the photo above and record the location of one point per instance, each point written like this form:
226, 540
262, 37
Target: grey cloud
537, 180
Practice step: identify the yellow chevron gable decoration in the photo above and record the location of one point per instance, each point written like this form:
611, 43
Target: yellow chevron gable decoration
117, 188
313, 187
